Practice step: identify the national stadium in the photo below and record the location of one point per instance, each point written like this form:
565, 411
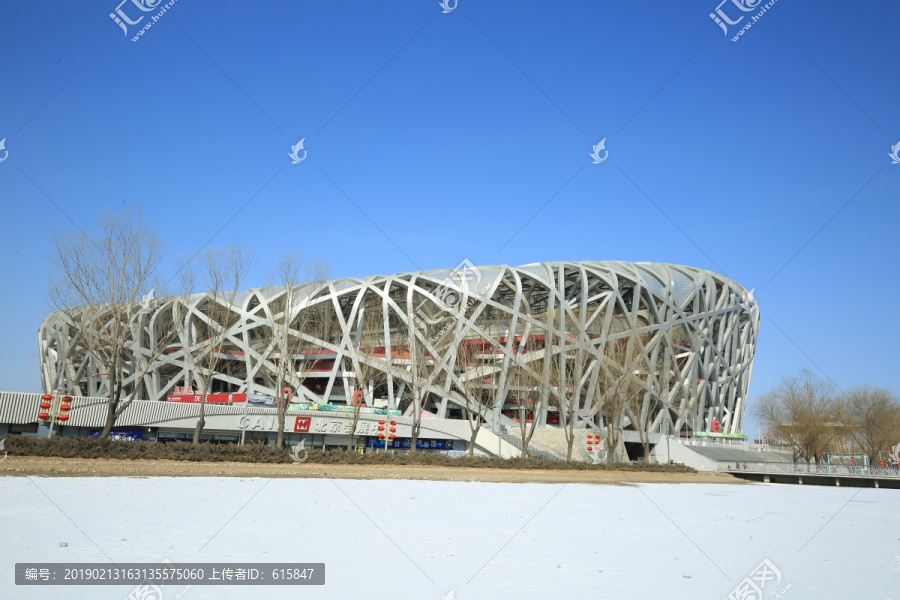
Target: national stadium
519, 340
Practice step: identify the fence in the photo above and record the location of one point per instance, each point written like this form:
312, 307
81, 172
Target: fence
786, 467
714, 442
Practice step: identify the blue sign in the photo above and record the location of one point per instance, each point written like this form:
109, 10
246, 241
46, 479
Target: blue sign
372, 442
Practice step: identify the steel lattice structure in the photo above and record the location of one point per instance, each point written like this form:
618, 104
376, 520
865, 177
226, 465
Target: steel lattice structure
697, 330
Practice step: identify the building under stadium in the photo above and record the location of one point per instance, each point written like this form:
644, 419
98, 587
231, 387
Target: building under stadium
519, 339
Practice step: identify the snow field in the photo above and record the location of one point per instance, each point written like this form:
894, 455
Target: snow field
421, 539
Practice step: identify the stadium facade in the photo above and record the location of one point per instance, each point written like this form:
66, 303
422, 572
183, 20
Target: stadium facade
498, 330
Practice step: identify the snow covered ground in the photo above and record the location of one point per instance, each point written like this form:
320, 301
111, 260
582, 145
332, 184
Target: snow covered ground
422, 539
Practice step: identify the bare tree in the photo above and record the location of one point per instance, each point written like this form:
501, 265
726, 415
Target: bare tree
801, 410
531, 386
653, 362
570, 370
368, 369
871, 417
223, 274
471, 373
99, 286
617, 387
289, 319
430, 348
427, 361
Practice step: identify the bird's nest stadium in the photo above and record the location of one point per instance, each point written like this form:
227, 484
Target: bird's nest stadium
482, 328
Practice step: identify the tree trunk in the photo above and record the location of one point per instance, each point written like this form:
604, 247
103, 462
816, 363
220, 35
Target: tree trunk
527, 437
415, 435
201, 421
281, 403
352, 438
570, 441
112, 406
522, 432
528, 443
115, 393
474, 427
470, 450
110, 417
416, 425
612, 442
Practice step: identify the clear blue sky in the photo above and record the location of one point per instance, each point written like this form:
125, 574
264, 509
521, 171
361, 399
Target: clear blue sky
453, 131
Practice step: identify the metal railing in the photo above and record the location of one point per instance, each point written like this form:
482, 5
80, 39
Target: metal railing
714, 442
786, 467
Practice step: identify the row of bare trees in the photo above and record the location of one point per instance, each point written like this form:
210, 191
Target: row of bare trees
613, 384
812, 417
572, 375
108, 286
104, 286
